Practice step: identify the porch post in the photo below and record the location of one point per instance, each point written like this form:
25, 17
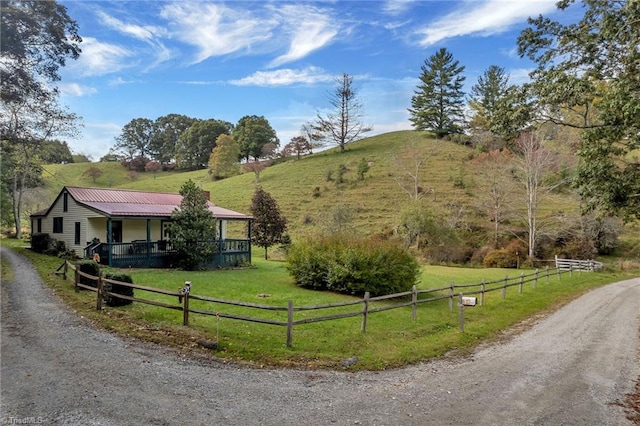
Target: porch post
148, 241
249, 227
109, 240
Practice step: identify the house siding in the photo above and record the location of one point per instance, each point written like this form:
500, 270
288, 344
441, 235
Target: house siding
75, 213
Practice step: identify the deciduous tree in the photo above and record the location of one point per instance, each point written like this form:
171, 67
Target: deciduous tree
438, 102
37, 39
168, 130
252, 134
344, 124
593, 65
223, 162
197, 143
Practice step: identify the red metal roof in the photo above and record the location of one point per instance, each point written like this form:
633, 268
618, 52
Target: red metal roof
122, 202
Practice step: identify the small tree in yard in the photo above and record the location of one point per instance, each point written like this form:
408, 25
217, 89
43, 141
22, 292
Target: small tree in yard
192, 228
269, 225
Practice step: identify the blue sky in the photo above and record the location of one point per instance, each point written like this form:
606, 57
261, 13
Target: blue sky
278, 59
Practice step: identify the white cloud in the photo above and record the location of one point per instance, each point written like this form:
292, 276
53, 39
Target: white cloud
216, 29
484, 18
99, 58
284, 77
519, 75
76, 90
150, 34
142, 32
310, 29
396, 7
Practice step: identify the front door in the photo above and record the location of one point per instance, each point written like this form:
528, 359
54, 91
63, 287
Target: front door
116, 231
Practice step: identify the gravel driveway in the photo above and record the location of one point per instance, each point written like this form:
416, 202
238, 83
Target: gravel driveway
565, 370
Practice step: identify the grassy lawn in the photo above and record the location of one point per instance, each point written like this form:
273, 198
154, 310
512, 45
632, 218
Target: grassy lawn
392, 338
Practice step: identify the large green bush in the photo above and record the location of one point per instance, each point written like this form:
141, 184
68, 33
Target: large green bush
349, 265
40, 243
117, 288
88, 267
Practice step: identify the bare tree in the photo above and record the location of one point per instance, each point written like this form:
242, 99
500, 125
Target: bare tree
406, 169
344, 124
494, 186
534, 164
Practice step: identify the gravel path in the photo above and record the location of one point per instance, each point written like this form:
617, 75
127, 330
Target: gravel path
565, 370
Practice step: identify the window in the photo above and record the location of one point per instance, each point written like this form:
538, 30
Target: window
57, 225
39, 226
65, 202
77, 234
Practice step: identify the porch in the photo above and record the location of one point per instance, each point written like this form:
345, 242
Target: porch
160, 254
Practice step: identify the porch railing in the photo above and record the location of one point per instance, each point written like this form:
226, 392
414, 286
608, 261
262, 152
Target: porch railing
160, 254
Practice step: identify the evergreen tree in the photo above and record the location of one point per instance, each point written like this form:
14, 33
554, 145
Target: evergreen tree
192, 228
438, 102
269, 225
344, 124
486, 93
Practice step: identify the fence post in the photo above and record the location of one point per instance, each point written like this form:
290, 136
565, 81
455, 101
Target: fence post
559, 275
451, 294
99, 293
504, 287
547, 273
64, 270
414, 303
571, 271
461, 313
482, 292
76, 280
290, 324
535, 280
365, 312
521, 282
185, 302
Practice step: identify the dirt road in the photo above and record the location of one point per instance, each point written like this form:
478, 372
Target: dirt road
566, 370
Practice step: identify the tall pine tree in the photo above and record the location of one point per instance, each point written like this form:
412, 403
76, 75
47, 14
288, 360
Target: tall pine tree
438, 102
269, 225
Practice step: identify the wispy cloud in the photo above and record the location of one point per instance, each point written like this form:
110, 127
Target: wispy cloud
483, 18
285, 77
215, 29
310, 29
141, 32
150, 34
75, 89
100, 58
396, 7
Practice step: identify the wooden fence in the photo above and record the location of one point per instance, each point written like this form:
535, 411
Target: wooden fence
462, 293
577, 265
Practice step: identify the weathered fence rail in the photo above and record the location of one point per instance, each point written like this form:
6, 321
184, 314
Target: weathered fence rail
577, 265
368, 304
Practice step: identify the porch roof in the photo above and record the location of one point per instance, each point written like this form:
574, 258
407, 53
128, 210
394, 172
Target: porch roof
120, 202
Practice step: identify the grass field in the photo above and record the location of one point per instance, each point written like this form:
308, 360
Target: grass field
392, 338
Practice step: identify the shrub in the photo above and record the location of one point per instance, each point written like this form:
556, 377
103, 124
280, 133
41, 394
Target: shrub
40, 243
117, 288
501, 258
88, 267
353, 266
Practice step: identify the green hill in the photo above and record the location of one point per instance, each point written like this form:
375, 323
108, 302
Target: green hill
309, 199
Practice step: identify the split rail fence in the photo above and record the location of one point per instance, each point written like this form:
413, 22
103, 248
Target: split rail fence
462, 293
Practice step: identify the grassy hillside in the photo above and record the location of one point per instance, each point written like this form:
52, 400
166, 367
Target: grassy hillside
373, 202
